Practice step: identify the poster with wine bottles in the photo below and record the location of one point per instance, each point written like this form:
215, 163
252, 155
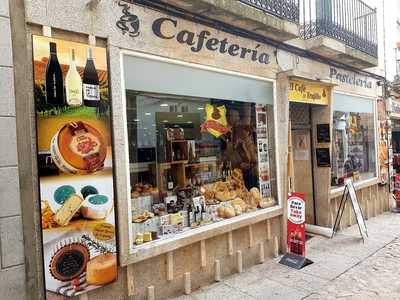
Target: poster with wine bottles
74, 165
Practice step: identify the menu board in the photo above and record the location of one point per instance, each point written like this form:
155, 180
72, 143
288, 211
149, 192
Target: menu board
323, 133
357, 208
74, 165
263, 154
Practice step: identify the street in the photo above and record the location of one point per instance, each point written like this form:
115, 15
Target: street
344, 268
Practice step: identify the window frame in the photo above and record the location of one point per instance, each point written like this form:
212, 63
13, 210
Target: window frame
155, 248
337, 191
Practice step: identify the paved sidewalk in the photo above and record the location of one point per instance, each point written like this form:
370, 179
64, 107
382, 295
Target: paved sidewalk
344, 268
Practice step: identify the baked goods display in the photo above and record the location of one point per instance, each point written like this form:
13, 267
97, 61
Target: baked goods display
142, 189
198, 205
143, 217
219, 172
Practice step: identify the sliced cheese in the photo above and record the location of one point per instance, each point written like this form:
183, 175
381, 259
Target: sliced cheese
96, 207
68, 210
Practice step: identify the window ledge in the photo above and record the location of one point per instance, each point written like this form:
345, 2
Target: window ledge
156, 248
337, 192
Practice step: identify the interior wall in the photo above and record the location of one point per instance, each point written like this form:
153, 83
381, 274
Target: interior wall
322, 175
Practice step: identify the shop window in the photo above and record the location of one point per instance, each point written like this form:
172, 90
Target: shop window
196, 161
354, 153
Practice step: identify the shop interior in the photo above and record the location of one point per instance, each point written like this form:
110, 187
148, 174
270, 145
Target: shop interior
197, 160
396, 149
353, 141
302, 172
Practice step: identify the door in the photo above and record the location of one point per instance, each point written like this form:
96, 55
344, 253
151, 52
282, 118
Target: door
302, 166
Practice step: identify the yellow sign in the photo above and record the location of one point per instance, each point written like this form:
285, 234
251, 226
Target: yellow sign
305, 92
104, 231
216, 123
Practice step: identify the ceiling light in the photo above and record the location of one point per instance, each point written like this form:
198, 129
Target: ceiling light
148, 114
200, 108
164, 104
180, 116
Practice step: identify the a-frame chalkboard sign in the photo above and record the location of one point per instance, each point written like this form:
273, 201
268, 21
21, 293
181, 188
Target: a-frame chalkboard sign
350, 191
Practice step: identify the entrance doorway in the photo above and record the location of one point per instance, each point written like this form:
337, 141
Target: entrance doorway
302, 149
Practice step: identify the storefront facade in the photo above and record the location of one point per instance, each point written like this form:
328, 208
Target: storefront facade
208, 132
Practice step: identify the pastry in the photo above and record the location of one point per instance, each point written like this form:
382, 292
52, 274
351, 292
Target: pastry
229, 212
69, 261
238, 210
68, 210
255, 192
255, 197
102, 269
143, 217
240, 202
47, 216
226, 211
96, 207
267, 202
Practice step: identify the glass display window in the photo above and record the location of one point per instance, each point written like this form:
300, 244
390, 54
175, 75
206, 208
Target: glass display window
201, 148
354, 142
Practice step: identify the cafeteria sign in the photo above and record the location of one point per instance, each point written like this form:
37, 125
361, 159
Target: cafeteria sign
305, 92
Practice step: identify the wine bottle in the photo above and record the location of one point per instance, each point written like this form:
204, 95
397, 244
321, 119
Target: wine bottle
73, 82
54, 79
170, 182
91, 87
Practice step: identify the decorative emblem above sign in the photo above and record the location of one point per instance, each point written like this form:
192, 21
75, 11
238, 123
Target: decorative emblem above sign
128, 22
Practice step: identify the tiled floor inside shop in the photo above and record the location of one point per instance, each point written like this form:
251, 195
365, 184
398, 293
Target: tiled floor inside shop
344, 268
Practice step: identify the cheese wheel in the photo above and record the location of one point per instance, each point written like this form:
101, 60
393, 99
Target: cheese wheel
78, 148
102, 269
61, 194
88, 190
68, 210
96, 207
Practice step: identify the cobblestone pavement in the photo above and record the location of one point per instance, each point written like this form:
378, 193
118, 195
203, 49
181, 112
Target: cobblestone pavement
344, 268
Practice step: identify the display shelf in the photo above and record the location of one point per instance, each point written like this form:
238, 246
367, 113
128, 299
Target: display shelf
175, 162
199, 164
161, 246
140, 167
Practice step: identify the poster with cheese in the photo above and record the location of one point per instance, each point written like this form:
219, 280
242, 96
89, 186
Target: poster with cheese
75, 166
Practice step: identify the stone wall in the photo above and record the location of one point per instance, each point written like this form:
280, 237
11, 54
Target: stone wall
12, 267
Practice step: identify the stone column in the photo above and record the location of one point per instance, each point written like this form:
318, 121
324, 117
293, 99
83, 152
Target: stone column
12, 264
